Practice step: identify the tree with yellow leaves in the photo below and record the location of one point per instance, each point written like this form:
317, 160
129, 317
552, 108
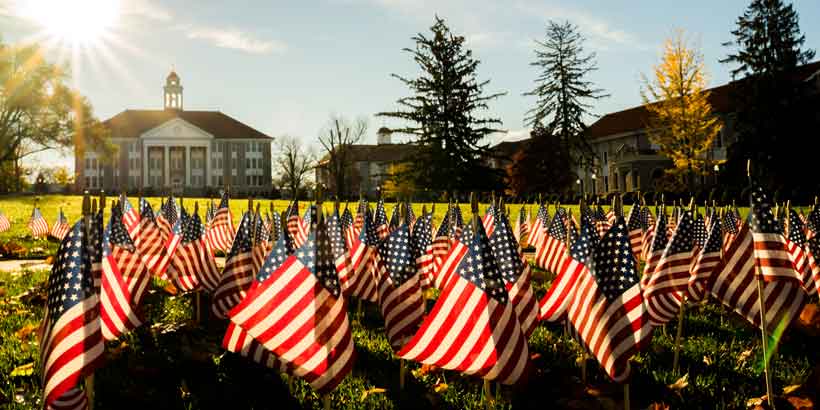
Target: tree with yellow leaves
681, 120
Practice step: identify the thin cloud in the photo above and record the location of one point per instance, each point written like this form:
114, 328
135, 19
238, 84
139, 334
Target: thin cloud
146, 9
236, 39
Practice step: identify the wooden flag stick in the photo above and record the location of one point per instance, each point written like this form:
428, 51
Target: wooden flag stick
678, 335
89, 380
488, 395
402, 372
626, 396
326, 400
763, 326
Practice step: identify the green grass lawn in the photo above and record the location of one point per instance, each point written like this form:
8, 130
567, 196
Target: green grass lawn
174, 363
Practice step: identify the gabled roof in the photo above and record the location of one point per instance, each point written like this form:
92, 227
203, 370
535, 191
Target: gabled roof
508, 148
635, 118
133, 123
377, 153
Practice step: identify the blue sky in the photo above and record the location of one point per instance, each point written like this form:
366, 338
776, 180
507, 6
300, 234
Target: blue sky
285, 67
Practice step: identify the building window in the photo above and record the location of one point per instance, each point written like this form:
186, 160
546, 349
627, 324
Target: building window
605, 159
606, 183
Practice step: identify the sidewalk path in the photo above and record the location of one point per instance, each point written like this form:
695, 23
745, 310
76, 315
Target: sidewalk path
20, 264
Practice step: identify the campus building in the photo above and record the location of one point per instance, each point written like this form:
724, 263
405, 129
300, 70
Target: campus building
176, 150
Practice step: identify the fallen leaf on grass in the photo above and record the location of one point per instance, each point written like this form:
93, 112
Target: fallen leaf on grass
535, 356
24, 370
743, 356
25, 331
791, 389
440, 387
424, 370
757, 401
170, 289
707, 360
371, 391
659, 406
679, 384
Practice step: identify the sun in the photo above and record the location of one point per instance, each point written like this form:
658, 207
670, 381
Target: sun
73, 21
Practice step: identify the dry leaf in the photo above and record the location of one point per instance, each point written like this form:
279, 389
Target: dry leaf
659, 406
440, 387
24, 370
371, 391
757, 401
680, 384
791, 389
170, 289
535, 356
25, 331
707, 360
743, 356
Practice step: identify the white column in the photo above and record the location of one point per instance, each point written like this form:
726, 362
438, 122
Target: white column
187, 165
144, 168
208, 165
167, 165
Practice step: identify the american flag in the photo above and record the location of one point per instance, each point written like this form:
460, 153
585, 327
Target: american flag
664, 292
221, 231
516, 274
813, 223
488, 220
400, 296
94, 250
73, 399
522, 225
60, 227
539, 226
237, 275
771, 254
421, 240
440, 248
37, 224
457, 222
167, 218
731, 226
356, 274
411, 216
275, 227
656, 248
796, 246
554, 304
171, 245
473, 327
5, 224
260, 243
552, 247
209, 213
236, 339
607, 312
149, 243
361, 211
299, 314
634, 224
380, 221
124, 279
813, 253
394, 217
735, 285
699, 232
130, 216
602, 220
348, 228
707, 260
71, 346
297, 227
193, 264
648, 226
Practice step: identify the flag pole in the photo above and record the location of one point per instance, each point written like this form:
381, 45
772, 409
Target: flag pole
679, 330
626, 396
763, 326
197, 297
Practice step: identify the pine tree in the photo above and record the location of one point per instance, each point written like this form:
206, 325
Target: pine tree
774, 107
541, 166
681, 120
564, 93
444, 114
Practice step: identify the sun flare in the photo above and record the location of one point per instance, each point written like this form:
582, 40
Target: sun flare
75, 21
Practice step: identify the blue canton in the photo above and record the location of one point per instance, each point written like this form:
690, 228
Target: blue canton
317, 256
70, 281
614, 265
796, 233
581, 248
421, 238
395, 253
480, 267
715, 240
761, 217
506, 250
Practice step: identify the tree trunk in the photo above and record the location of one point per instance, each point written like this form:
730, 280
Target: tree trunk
17, 184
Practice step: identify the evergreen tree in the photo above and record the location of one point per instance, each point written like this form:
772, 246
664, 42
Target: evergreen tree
542, 165
444, 114
564, 94
774, 107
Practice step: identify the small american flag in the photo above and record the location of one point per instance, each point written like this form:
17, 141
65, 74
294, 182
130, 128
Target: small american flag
130, 216
260, 243
236, 339
356, 274
193, 264
552, 247
5, 224
73, 399
476, 291
699, 232
706, 261
602, 220
554, 304
648, 226
735, 285
361, 211
731, 226
149, 243
421, 240
94, 250
60, 227
72, 345
275, 227
237, 276
539, 226
607, 311
522, 225
380, 221
411, 216
297, 227
348, 228
488, 220
37, 224
394, 217
634, 224
656, 248
516, 274
303, 293
796, 246
124, 279
221, 231
813, 254
664, 292
400, 297
813, 222
771, 254
440, 247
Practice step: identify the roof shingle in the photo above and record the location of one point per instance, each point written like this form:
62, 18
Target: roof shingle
133, 123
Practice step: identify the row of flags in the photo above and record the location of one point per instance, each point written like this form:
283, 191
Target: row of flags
287, 279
